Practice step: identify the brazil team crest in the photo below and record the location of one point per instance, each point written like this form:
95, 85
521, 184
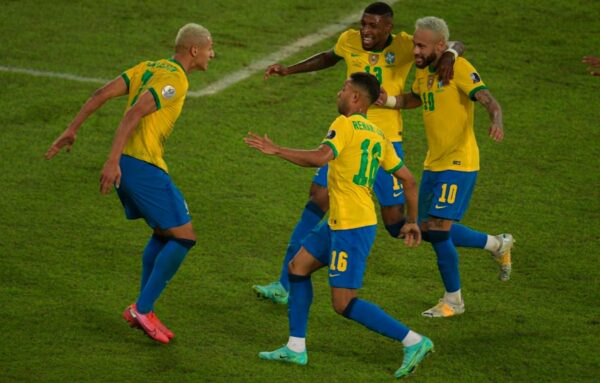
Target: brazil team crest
373, 59
430, 79
390, 57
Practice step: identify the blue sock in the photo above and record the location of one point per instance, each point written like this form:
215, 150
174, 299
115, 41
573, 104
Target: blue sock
464, 236
311, 216
301, 296
154, 246
166, 265
447, 259
375, 319
394, 229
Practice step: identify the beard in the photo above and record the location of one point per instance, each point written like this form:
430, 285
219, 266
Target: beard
342, 106
426, 61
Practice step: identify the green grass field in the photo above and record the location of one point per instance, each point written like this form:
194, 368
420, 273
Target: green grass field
70, 261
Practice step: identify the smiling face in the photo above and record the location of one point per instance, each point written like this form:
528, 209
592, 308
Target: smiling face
428, 47
374, 31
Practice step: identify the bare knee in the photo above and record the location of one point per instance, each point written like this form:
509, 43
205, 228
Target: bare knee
319, 196
340, 305
392, 214
185, 231
341, 298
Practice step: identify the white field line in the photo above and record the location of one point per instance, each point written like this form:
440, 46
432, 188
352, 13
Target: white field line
39, 73
235, 77
282, 54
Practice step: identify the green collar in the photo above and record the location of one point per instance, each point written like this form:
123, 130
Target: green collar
178, 63
359, 114
388, 42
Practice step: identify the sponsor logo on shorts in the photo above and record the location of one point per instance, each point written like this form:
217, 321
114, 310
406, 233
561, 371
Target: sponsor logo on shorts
440, 206
397, 194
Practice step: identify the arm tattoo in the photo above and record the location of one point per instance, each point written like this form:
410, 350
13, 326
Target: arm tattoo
489, 102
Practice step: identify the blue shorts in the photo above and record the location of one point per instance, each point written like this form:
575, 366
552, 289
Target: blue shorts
387, 188
445, 194
146, 191
345, 251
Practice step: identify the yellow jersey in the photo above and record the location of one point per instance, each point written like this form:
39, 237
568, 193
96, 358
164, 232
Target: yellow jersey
168, 83
390, 65
359, 148
448, 113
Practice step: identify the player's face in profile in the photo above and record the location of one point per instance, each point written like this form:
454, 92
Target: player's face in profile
424, 47
344, 96
374, 31
204, 53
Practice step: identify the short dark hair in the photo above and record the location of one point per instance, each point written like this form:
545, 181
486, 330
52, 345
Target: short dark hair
379, 8
368, 83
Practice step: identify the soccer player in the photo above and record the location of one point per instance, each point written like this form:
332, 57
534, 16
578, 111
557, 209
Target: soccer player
355, 148
452, 161
156, 92
372, 49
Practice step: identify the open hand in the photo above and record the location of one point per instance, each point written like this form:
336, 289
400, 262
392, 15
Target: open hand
383, 96
264, 144
411, 234
66, 139
110, 176
592, 62
275, 69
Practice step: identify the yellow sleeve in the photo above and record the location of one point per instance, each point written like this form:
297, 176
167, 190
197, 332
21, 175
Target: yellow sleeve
391, 162
340, 46
167, 89
405, 43
467, 79
338, 136
130, 73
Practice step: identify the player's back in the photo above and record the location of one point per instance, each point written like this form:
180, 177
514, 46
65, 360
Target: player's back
359, 148
167, 81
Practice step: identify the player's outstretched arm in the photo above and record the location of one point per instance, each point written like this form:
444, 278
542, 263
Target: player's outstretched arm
114, 88
317, 62
495, 112
306, 158
410, 230
592, 62
111, 172
401, 101
408, 101
445, 69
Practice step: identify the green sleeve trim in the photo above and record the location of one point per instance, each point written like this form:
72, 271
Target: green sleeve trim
416, 95
332, 146
335, 54
399, 166
156, 99
126, 78
472, 93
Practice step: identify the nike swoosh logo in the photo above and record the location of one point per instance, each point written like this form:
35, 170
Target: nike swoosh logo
441, 207
333, 275
397, 194
282, 356
354, 55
